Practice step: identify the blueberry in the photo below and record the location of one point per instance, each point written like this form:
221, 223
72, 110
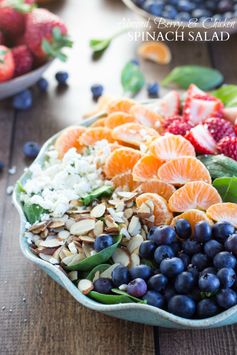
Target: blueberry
184, 282
103, 241
222, 230
169, 292
157, 282
23, 100
208, 270
227, 277
176, 246
31, 149
207, 308
151, 233
43, 84
191, 247
185, 5
171, 267
61, 77
154, 298
153, 8
163, 235
183, 228
212, 247
2, 165
202, 232
199, 260
141, 271
226, 298
182, 306
209, 283
163, 252
185, 258
103, 285
231, 244
224, 259
97, 91
137, 287
153, 90
135, 62
147, 249
120, 275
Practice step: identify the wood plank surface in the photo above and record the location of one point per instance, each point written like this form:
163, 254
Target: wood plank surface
37, 316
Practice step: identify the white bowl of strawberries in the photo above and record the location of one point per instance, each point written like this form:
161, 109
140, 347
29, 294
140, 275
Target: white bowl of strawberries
30, 38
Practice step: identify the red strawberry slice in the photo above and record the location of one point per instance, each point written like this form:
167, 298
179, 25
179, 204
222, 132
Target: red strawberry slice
168, 106
202, 140
194, 90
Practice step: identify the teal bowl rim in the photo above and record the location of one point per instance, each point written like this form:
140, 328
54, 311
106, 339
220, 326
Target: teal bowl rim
86, 301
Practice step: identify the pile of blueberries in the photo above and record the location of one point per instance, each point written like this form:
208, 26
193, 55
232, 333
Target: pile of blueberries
184, 10
192, 275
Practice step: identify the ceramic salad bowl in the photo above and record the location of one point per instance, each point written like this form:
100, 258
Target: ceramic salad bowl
140, 313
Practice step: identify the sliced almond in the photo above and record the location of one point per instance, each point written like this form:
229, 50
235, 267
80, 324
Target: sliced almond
120, 256
125, 233
117, 216
54, 224
144, 211
110, 223
72, 247
69, 223
87, 239
127, 196
85, 286
123, 287
73, 275
48, 258
87, 248
37, 228
128, 213
120, 206
134, 243
134, 227
44, 234
112, 230
64, 253
68, 259
135, 260
76, 259
82, 227
98, 211
50, 243
108, 272
99, 228
63, 235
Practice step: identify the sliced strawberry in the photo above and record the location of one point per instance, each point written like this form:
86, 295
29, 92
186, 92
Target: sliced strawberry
193, 90
168, 106
202, 140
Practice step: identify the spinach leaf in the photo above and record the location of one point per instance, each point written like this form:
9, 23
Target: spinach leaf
205, 78
109, 299
103, 191
94, 260
132, 78
100, 268
99, 45
135, 299
33, 212
219, 165
227, 94
227, 188
20, 187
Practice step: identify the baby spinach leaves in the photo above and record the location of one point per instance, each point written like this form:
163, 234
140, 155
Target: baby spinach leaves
227, 94
132, 79
103, 191
219, 165
100, 268
33, 212
227, 188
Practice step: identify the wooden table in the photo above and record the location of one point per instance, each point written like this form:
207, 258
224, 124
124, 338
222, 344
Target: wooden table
37, 316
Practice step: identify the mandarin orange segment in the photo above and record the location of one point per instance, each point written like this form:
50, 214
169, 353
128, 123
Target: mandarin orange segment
133, 134
171, 146
69, 138
95, 134
125, 181
223, 212
193, 216
161, 212
120, 105
159, 187
146, 117
181, 170
98, 123
157, 52
102, 105
146, 168
117, 119
194, 195
120, 161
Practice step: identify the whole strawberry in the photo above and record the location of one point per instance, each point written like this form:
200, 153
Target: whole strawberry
219, 128
12, 20
46, 35
7, 65
228, 147
23, 60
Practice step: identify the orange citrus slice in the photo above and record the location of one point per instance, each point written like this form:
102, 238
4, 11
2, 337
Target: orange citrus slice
146, 117
146, 168
223, 212
95, 134
171, 146
159, 187
68, 139
181, 170
125, 181
161, 211
101, 106
98, 123
193, 216
120, 161
133, 134
117, 119
194, 195
120, 105
157, 52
